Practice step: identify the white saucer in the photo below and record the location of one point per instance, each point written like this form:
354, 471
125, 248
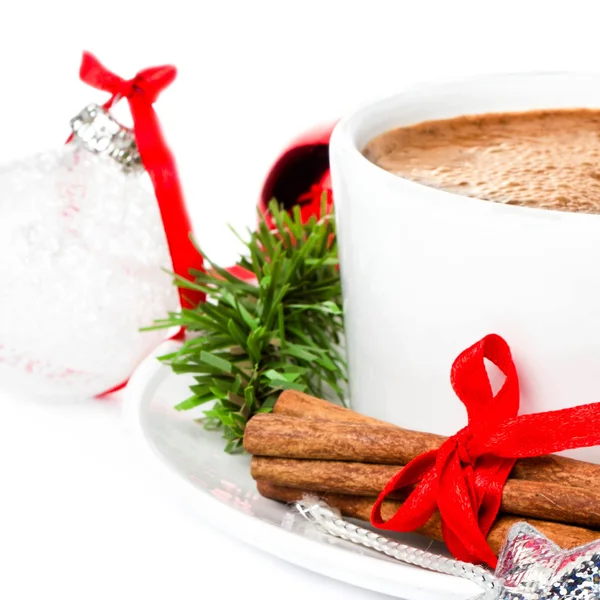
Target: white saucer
218, 487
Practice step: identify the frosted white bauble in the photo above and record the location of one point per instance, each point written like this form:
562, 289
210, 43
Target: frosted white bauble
82, 248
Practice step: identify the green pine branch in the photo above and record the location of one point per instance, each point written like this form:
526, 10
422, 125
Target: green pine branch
249, 342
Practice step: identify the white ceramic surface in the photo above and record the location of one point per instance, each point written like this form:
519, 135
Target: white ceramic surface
427, 273
218, 487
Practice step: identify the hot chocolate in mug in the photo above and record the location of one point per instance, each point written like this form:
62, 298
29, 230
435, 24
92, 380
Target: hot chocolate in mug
426, 273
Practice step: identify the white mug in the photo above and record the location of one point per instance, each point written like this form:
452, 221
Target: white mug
426, 273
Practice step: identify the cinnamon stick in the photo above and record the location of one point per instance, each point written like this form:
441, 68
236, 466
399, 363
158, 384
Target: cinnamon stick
359, 507
408, 444
533, 499
291, 437
297, 404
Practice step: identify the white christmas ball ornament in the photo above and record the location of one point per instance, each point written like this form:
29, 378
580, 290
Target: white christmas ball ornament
82, 253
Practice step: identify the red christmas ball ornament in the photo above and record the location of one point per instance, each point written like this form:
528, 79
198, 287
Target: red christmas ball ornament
300, 175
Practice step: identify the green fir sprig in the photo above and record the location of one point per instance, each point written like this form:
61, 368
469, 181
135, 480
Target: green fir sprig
250, 341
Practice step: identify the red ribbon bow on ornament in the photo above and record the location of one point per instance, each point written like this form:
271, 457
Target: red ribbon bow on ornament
141, 92
465, 477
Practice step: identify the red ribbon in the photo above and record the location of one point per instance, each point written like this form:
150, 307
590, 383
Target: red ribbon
141, 92
465, 477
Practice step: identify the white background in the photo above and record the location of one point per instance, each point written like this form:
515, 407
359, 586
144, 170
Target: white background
79, 517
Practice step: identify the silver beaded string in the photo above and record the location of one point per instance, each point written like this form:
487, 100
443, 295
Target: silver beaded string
322, 515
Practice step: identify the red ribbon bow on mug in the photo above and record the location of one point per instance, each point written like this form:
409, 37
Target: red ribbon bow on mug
141, 92
465, 477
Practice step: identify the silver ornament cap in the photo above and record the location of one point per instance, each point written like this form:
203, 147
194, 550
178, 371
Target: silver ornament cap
97, 131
